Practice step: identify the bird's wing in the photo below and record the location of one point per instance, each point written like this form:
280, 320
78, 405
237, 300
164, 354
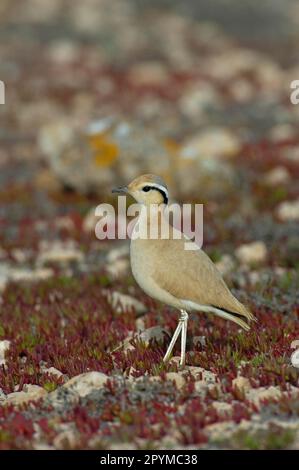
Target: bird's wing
191, 275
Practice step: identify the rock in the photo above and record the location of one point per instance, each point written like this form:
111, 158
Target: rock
177, 378
4, 346
291, 154
9, 273
213, 143
202, 374
30, 275
201, 388
84, 384
62, 253
242, 90
148, 74
222, 408
52, 371
252, 253
66, 440
140, 324
117, 253
242, 383
118, 268
63, 51
84, 157
64, 223
199, 99
288, 210
218, 431
29, 393
122, 303
282, 132
276, 176
256, 395
117, 261
42, 446
155, 332
199, 340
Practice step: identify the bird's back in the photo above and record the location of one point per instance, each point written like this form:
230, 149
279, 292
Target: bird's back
185, 274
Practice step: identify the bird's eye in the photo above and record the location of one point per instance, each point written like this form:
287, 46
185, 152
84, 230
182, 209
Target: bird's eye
146, 189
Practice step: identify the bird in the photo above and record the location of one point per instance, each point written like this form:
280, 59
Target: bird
187, 280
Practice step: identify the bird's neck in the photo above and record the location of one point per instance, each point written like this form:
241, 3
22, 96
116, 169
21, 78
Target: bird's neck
151, 221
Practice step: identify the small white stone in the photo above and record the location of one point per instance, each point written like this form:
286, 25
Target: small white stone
242, 383
30, 275
66, 439
177, 378
122, 303
4, 346
222, 407
288, 210
276, 176
52, 371
252, 253
59, 253
84, 384
214, 143
29, 393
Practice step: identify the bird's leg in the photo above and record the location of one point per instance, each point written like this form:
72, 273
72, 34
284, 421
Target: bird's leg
184, 320
182, 326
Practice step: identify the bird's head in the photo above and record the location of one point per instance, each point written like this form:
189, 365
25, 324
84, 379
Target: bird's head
146, 189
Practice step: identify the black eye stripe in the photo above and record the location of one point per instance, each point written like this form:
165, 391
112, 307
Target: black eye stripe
146, 189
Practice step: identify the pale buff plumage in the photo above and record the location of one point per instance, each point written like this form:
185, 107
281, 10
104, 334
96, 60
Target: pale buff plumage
187, 280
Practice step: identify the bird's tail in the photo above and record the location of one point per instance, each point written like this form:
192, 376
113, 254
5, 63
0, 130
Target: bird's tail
241, 315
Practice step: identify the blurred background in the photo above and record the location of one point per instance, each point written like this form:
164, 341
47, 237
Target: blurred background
97, 93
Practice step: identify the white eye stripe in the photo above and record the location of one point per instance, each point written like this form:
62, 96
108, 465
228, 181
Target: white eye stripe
158, 186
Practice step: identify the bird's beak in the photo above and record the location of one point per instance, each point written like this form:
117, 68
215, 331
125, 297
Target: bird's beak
121, 189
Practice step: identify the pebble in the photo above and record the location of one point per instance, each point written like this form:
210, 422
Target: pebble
276, 176
213, 143
242, 383
84, 384
288, 211
256, 395
122, 303
66, 440
177, 378
4, 346
155, 332
252, 253
29, 393
198, 99
222, 408
148, 73
62, 253
30, 275
52, 371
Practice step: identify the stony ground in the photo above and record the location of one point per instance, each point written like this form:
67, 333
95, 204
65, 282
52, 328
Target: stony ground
203, 98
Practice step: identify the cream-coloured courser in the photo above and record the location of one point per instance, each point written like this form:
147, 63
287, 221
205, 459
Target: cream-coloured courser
166, 271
